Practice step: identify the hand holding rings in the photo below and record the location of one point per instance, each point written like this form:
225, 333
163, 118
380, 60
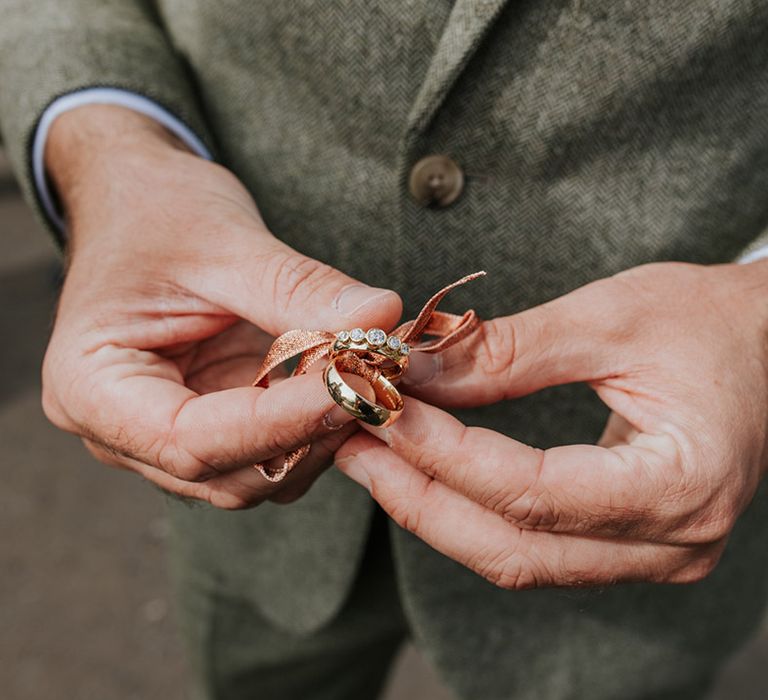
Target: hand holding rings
378, 358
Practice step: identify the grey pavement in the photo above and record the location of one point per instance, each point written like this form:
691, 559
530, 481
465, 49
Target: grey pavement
85, 607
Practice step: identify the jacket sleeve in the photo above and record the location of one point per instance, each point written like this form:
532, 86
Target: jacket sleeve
51, 48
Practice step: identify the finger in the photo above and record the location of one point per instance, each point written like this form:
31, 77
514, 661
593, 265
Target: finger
508, 556
194, 490
246, 487
579, 489
134, 404
320, 457
242, 488
322, 452
278, 289
217, 495
570, 339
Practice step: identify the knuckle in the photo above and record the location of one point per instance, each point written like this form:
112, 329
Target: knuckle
703, 511
511, 573
533, 508
273, 443
430, 464
699, 568
498, 348
507, 566
171, 457
405, 515
276, 437
713, 528
297, 277
535, 512
184, 467
405, 509
191, 471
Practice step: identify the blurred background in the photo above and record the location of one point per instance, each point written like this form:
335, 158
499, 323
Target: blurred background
85, 606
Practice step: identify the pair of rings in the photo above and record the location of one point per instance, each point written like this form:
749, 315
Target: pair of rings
378, 359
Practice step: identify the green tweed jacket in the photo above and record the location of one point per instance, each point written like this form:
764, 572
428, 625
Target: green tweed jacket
594, 135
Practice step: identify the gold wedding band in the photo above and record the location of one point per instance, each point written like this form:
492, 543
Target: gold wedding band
384, 413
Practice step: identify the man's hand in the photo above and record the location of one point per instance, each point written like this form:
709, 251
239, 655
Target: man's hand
173, 293
678, 352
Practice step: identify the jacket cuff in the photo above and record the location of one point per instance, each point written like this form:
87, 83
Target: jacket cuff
63, 50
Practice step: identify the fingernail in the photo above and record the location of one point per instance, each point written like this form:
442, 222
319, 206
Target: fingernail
336, 418
422, 368
352, 467
353, 298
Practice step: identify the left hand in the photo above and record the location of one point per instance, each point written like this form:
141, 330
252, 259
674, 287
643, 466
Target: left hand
678, 352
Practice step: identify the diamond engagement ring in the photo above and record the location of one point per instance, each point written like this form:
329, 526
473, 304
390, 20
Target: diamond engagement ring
374, 341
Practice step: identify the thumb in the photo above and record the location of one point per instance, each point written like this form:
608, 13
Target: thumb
570, 339
277, 289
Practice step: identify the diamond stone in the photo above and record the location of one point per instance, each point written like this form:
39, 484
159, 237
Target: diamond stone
343, 336
393, 342
357, 334
405, 349
375, 337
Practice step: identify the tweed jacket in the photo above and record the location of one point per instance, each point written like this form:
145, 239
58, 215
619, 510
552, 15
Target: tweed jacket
594, 135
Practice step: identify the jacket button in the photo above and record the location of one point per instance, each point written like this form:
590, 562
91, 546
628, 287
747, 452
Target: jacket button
436, 181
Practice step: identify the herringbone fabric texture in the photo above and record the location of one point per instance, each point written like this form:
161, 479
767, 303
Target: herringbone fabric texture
594, 136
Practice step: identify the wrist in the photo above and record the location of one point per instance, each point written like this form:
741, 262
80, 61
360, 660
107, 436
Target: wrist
85, 142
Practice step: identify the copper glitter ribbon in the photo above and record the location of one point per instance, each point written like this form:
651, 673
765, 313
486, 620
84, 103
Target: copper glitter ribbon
447, 328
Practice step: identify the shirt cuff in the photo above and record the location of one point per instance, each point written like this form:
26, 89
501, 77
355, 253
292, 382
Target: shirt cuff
755, 255
102, 96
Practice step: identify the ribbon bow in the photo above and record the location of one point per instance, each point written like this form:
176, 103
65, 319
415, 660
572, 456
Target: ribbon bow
447, 328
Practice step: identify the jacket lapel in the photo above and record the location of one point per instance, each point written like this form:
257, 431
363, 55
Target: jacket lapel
466, 25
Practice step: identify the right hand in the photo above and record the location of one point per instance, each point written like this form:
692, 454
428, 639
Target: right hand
174, 290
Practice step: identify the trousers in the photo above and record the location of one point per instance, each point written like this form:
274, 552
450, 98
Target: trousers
234, 653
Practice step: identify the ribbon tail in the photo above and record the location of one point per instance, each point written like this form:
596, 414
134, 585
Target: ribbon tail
452, 328
411, 331
289, 462
310, 356
312, 345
